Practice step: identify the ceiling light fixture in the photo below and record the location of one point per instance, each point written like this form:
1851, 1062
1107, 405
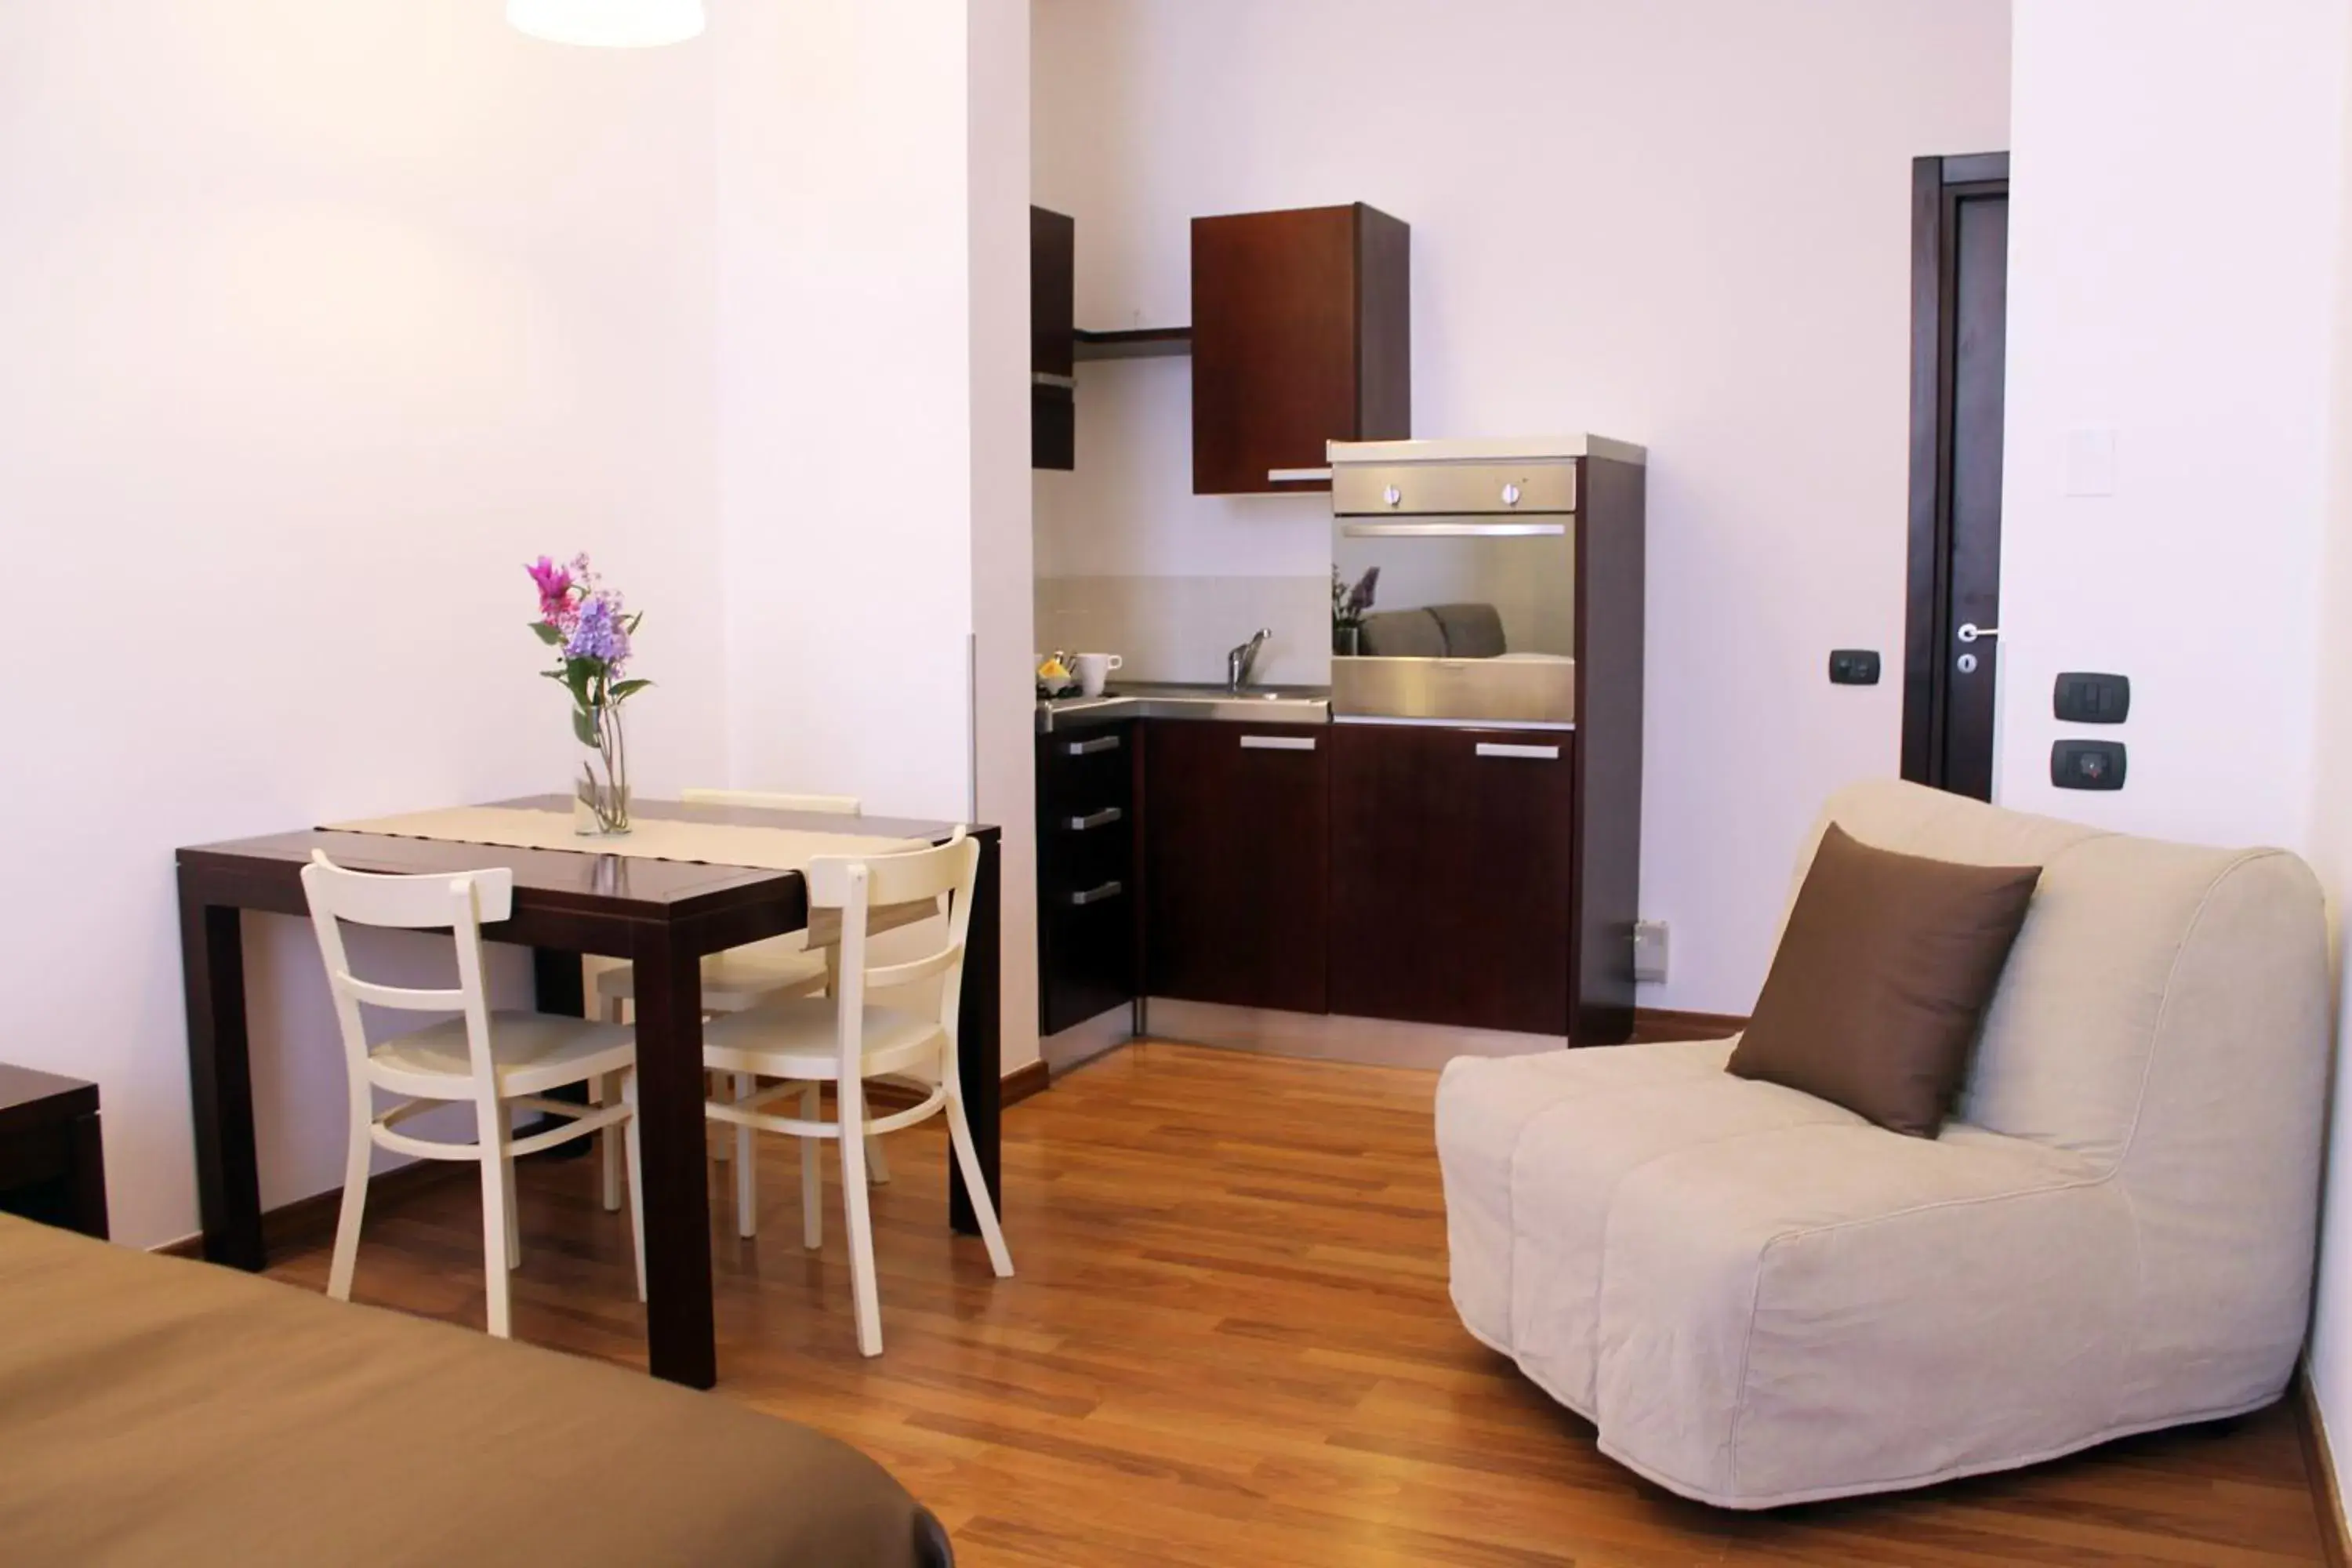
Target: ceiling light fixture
609, 23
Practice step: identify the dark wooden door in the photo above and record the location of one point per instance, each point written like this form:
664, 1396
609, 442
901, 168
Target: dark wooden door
1301, 334
1959, 334
1053, 341
1451, 875
1238, 872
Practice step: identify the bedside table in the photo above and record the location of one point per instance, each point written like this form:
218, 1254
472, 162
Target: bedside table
52, 1167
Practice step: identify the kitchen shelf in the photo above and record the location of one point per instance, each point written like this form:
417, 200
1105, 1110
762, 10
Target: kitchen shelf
1142, 343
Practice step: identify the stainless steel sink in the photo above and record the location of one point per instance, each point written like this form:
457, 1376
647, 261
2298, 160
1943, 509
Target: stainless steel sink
1185, 699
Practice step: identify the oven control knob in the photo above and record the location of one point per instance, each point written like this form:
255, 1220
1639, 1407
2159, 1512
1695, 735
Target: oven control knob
1510, 495
1393, 495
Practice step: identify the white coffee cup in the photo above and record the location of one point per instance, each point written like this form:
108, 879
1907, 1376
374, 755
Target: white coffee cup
1094, 671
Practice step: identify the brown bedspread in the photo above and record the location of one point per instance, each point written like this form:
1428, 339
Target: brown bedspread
156, 1411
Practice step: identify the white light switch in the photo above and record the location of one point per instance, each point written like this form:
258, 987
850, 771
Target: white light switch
2090, 461
1649, 950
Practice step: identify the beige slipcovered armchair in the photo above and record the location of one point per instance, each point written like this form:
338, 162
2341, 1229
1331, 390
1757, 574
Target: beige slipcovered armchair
1760, 1299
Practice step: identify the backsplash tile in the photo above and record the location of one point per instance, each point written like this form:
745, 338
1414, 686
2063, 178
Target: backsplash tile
1179, 628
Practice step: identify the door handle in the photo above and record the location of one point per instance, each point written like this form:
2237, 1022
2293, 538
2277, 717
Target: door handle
1095, 895
1089, 748
1102, 818
1533, 753
1969, 631
1277, 742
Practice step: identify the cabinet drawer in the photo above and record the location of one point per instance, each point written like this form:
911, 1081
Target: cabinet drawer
1082, 771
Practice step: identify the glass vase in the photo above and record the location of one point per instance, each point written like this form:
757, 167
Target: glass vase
600, 799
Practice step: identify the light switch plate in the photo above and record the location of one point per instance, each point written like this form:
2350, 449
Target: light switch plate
1649, 950
2091, 468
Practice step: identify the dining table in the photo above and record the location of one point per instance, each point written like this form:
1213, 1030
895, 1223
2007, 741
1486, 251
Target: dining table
662, 916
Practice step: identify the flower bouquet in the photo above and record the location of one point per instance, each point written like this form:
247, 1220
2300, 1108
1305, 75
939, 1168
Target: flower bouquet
590, 632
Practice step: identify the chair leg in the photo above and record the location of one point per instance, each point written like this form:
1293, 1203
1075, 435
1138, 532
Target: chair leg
968, 1158
636, 1176
863, 1290
606, 1090
347, 1222
514, 1222
714, 1084
811, 1175
747, 1168
877, 1168
498, 1176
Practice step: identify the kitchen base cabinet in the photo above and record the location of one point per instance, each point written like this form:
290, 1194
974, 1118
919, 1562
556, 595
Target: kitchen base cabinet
1451, 875
1086, 895
1236, 863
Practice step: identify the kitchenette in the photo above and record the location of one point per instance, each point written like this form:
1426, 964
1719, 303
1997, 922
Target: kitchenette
1407, 788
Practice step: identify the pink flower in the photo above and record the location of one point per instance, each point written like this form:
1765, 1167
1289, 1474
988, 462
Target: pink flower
554, 589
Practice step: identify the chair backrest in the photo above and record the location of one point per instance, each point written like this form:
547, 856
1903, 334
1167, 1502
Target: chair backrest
855, 885
459, 901
830, 804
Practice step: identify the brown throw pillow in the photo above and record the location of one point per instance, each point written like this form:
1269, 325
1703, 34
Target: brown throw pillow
1881, 980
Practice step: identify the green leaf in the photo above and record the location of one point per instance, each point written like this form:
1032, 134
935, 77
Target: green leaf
583, 727
628, 688
546, 634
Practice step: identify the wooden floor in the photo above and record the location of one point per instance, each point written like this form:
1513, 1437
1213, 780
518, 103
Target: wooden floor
1229, 1344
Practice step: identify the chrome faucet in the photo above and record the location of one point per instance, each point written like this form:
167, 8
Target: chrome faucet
1243, 659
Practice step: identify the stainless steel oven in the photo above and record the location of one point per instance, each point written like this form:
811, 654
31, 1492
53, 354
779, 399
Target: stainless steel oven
1474, 615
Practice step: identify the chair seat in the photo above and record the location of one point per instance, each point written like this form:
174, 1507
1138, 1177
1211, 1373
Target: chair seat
796, 1039
533, 1052
738, 979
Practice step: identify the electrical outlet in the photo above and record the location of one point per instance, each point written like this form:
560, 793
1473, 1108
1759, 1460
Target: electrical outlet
1649, 950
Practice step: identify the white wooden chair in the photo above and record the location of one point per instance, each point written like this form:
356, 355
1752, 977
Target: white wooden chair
742, 978
497, 1062
846, 1042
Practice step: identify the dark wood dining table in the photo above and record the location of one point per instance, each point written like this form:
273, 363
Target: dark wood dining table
662, 916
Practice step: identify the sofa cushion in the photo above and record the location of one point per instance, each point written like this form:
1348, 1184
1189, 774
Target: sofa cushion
1883, 973
1533, 1149
1823, 1309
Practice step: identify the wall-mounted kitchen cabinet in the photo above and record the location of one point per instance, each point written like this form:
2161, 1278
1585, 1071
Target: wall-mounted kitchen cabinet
1302, 334
1053, 389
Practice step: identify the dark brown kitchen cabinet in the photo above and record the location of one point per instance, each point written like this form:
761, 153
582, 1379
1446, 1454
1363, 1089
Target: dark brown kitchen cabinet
1453, 876
1052, 292
1302, 334
1236, 873
1088, 898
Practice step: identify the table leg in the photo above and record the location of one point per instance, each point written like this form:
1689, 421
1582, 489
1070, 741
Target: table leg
85, 1176
558, 984
980, 1047
680, 1333
220, 1080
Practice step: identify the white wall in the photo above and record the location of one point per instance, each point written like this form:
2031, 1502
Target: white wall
319, 322
2331, 827
873, 355
2180, 185
2192, 326
1685, 225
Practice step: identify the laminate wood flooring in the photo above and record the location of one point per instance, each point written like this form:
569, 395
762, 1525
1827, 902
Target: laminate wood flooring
1229, 1343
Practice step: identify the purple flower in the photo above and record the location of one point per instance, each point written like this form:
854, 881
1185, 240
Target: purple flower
600, 632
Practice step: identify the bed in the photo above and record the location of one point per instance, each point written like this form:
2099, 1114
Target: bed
154, 1411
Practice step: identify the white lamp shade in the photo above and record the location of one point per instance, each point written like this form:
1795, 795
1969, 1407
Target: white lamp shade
609, 23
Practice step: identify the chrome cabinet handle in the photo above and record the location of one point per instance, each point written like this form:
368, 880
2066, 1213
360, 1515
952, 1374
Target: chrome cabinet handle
1089, 748
1048, 378
1277, 742
1095, 895
1297, 476
1093, 820
1533, 753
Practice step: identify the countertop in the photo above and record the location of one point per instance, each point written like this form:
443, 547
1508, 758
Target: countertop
1151, 700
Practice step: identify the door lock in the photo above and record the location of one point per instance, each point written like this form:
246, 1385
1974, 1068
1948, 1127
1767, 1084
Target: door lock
1966, 664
